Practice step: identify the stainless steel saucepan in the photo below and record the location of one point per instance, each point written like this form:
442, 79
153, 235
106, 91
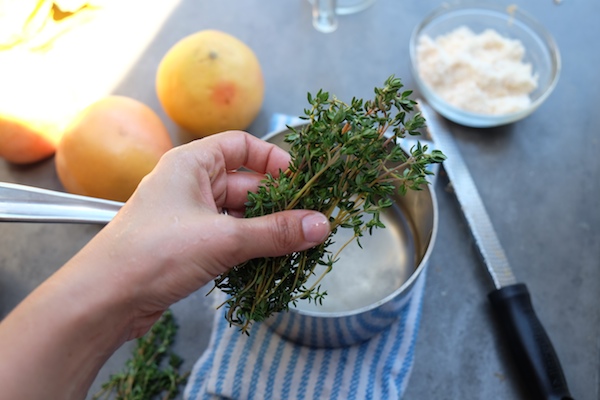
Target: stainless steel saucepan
368, 287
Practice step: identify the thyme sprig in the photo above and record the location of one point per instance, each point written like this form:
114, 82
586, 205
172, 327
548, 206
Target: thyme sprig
345, 163
144, 376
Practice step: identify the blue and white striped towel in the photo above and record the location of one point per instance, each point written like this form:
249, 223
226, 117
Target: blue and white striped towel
265, 366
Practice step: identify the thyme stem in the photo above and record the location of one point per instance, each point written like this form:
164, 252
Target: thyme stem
345, 163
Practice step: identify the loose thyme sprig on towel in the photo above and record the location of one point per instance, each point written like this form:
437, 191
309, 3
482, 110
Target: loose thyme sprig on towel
147, 375
345, 163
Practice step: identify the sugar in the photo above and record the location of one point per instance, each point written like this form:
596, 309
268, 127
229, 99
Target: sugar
482, 73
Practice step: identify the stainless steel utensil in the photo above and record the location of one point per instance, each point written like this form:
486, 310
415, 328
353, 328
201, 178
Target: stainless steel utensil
21, 203
510, 300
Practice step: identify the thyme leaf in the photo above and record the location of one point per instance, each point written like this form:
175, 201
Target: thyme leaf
345, 163
144, 377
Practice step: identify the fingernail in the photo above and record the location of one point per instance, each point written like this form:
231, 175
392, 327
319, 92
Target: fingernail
315, 227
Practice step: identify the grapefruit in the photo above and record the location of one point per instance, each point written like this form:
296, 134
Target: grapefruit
210, 82
110, 147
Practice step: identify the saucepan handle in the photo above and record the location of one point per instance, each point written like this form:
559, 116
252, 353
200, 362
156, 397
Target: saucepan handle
21, 203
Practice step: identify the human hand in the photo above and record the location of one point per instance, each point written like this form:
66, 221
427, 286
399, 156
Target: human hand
167, 241
170, 238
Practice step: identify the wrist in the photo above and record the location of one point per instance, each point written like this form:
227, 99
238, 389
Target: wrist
57, 339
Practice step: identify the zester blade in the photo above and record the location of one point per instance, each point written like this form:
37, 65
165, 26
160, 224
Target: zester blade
534, 352
468, 196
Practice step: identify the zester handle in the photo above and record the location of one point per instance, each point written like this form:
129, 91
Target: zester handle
530, 343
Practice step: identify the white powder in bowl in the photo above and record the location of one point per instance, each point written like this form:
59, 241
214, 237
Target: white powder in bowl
481, 73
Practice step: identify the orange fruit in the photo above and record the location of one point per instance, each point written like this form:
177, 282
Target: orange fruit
34, 108
25, 141
210, 82
110, 147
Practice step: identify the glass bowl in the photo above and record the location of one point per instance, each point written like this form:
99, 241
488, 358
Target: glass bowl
511, 23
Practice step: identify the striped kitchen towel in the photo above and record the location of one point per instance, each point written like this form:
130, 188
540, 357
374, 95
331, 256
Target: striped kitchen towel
280, 121
266, 366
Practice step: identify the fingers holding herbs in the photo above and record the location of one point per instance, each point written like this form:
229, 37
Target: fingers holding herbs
345, 163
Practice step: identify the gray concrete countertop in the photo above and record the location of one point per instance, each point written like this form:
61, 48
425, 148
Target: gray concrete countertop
539, 179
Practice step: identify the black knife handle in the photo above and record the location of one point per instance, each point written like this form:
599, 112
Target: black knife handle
530, 343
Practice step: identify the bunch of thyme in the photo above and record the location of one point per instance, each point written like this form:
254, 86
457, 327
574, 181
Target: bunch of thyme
144, 376
346, 163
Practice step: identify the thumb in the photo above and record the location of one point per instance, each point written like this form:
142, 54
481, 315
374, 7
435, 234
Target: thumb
281, 233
